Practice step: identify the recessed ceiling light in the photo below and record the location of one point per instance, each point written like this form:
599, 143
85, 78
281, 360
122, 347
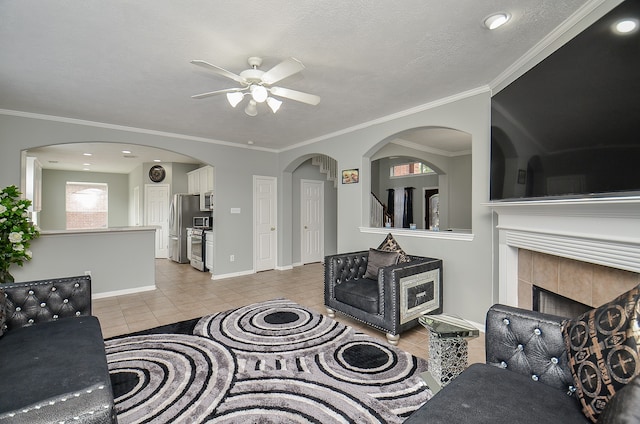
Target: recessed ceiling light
88, 154
86, 169
496, 20
157, 160
625, 26
126, 152
86, 164
250, 142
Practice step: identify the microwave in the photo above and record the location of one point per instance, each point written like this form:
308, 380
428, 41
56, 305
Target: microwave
206, 201
202, 222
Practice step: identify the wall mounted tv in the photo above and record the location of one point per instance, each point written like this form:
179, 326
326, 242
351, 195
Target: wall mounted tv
570, 126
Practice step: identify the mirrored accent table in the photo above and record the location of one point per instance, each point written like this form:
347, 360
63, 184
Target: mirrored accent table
448, 350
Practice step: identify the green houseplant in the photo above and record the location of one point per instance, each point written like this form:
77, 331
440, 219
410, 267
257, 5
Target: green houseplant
17, 231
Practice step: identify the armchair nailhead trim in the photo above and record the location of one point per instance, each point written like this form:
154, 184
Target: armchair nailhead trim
503, 364
554, 360
31, 292
53, 289
534, 377
537, 332
506, 321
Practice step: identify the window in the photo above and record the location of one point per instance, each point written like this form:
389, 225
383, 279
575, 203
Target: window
408, 169
87, 205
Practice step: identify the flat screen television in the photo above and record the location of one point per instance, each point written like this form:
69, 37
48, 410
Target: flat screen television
570, 126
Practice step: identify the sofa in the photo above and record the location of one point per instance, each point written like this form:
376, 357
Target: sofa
527, 378
53, 365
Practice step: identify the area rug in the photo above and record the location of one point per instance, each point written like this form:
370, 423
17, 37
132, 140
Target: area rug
269, 362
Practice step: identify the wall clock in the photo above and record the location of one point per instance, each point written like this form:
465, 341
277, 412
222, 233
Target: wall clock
157, 173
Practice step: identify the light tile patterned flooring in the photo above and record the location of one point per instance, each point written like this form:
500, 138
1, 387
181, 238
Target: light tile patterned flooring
183, 293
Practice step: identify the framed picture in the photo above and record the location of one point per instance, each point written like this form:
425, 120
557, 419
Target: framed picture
522, 176
350, 176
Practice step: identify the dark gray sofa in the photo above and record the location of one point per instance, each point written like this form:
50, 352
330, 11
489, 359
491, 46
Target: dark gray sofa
526, 378
53, 366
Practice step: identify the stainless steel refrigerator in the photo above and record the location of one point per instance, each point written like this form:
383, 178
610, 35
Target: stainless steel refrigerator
183, 208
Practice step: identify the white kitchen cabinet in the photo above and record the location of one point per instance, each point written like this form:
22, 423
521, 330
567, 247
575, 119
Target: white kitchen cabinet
206, 179
193, 182
208, 250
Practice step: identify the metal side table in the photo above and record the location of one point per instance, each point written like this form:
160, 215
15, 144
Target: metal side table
448, 351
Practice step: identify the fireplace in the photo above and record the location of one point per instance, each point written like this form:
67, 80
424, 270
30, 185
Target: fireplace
587, 250
552, 303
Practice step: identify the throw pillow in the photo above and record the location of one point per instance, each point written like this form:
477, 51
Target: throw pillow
379, 259
390, 244
603, 350
623, 407
3, 311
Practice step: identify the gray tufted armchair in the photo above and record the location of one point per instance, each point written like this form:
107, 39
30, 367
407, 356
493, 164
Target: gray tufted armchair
393, 301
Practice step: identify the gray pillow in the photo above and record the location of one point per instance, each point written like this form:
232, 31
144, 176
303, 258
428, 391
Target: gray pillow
379, 259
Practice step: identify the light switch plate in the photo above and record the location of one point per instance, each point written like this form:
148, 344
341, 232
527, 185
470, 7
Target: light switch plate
235, 210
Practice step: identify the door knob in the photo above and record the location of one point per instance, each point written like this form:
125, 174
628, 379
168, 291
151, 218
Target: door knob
306, 228
273, 228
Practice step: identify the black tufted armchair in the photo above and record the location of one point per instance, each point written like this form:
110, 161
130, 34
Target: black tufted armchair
53, 366
525, 379
393, 301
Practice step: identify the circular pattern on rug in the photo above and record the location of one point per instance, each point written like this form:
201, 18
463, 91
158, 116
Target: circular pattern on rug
273, 327
382, 364
252, 400
168, 377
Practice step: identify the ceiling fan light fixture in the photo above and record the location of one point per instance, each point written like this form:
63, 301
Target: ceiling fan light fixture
496, 20
274, 104
235, 98
259, 93
251, 108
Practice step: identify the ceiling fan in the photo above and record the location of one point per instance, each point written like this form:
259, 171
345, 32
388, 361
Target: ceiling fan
258, 85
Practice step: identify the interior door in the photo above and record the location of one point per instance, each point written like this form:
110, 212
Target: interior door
156, 212
265, 219
312, 221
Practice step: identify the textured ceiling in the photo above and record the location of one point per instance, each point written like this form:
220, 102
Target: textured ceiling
127, 63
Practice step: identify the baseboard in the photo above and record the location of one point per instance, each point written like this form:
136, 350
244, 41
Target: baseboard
297, 264
231, 275
285, 268
123, 292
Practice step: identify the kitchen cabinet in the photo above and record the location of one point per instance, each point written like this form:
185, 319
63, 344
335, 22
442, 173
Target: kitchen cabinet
208, 250
200, 180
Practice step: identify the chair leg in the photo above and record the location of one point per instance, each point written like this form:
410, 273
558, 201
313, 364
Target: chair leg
331, 313
393, 338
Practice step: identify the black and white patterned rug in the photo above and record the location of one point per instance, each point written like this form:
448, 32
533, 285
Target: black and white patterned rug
270, 362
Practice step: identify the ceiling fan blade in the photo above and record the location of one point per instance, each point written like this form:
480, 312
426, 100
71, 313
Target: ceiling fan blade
214, 93
282, 70
299, 96
220, 71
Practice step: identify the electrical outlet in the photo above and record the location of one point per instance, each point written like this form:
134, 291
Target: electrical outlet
232, 258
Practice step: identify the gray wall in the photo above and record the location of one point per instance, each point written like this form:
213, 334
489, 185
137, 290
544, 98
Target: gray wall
470, 284
53, 215
307, 171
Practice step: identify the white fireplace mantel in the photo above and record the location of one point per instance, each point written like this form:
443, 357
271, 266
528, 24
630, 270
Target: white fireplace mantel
604, 231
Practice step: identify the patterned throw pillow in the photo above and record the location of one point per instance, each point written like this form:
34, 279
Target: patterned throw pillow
3, 311
602, 345
390, 244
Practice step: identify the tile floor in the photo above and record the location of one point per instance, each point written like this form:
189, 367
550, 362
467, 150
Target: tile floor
183, 293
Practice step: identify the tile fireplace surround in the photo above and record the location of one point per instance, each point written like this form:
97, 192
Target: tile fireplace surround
584, 249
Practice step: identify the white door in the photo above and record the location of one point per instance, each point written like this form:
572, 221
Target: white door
265, 217
156, 212
312, 221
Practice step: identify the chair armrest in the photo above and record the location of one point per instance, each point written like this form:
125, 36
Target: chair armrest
33, 302
389, 279
529, 343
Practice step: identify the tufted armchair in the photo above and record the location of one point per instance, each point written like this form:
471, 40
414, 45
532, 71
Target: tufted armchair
526, 378
53, 366
393, 301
